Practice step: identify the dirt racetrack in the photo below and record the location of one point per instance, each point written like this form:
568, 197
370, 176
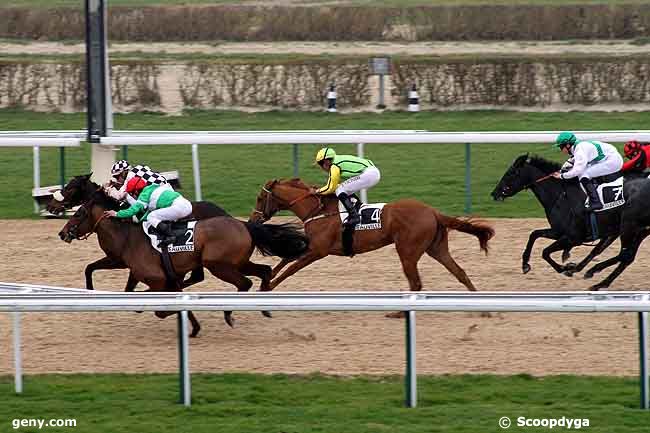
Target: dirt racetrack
331, 343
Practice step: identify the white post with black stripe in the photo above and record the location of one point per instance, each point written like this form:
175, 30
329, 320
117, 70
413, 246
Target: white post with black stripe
414, 99
331, 99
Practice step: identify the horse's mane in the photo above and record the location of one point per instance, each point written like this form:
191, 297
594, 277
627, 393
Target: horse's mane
543, 164
100, 198
296, 181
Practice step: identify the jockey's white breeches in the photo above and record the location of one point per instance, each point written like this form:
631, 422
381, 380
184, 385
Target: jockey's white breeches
612, 164
367, 179
180, 208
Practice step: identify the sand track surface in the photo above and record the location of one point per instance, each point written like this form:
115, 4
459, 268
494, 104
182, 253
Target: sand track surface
333, 343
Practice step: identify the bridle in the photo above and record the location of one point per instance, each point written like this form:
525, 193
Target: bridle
73, 228
267, 213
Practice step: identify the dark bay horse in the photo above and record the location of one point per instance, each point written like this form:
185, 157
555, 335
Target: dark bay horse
81, 189
563, 202
414, 228
635, 227
223, 245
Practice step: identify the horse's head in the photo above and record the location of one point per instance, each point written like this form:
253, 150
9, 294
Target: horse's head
78, 190
78, 225
277, 195
522, 174
85, 220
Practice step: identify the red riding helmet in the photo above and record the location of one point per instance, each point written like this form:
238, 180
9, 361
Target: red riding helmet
135, 185
631, 148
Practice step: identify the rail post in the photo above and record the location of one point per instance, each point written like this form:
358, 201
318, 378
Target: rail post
643, 358
184, 358
411, 375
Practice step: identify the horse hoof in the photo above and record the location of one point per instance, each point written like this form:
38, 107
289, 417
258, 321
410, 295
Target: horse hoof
267, 314
227, 316
525, 268
396, 315
588, 275
568, 273
195, 333
565, 256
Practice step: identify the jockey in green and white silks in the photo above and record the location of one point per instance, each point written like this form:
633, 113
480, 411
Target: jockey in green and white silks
590, 159
347, 175
160, 202
122, 172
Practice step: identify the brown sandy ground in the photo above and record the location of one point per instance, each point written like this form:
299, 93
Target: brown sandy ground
332, 343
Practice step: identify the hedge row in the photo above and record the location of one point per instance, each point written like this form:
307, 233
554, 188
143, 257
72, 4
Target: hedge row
337, 23
171, 87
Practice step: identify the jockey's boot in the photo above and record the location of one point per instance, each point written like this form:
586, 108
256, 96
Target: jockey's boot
164, 230
353, 214
592, 194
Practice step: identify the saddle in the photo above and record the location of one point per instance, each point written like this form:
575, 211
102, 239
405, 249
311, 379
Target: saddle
370, 220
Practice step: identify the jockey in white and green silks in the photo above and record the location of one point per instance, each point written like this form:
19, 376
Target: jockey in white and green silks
160, 202
590, 159
347, 175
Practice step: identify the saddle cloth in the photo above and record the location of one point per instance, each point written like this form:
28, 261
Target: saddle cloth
611, 194
183, 232
370, 214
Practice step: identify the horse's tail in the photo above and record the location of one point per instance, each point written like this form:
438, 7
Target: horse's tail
481, 229
284, 240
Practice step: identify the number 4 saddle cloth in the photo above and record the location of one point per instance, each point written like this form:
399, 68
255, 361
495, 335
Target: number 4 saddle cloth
370, 215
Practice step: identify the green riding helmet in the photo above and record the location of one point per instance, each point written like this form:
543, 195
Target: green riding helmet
565, 139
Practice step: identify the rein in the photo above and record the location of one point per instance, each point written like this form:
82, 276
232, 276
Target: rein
87, 235
539, 180
308, 218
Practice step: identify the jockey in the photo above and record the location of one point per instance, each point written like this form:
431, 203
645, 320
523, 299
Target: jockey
590, 159
122, 173
160, 202
357, 174
638, 155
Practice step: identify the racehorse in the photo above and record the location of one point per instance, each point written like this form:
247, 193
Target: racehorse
81, 189
563, 202
635, 227
414, 227
223, 245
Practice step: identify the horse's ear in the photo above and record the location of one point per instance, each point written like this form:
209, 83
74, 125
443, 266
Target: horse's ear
87, 176
527, 158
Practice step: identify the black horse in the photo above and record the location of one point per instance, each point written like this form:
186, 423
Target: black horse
635, 227
563, 202
81, 189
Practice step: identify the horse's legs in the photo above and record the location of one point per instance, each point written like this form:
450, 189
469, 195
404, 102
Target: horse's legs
103, 263
440, 251
230, 275
196, 327
279, 267
629, 248
131, 283
263, 272
599, 248
305, 260
601, 266
534, 235
558, 245
627, 239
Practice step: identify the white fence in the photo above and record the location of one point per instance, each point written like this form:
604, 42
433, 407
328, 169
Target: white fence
18, 298
195, 138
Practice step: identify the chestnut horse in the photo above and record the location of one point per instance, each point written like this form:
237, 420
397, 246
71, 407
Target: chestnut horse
80, 189
414, 227
223, 245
